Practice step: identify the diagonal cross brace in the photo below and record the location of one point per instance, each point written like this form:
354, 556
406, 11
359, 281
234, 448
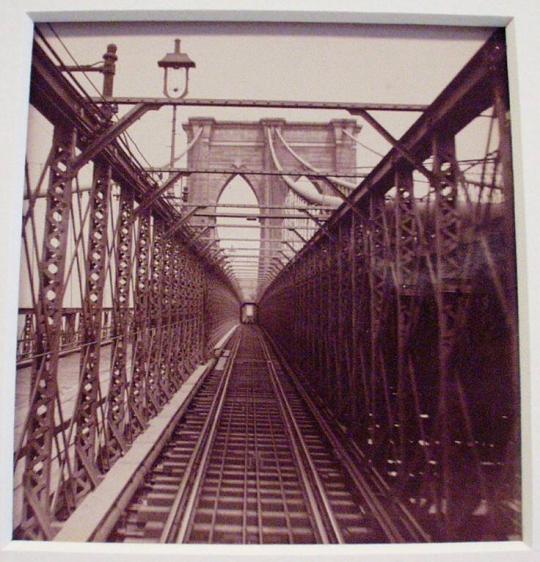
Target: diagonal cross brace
111, 134
321, 224
288, 258
204, 251
432, 177
177, 225
298, 234
344, 198
147, 202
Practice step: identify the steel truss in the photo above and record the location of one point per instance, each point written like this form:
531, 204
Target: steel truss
403, 314
400, 314
148, 307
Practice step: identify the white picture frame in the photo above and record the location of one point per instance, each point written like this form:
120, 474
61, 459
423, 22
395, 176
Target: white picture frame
522, 21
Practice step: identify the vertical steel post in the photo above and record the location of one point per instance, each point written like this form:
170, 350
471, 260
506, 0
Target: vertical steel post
406, 259
354, 305
137, 397
511, 478
116, 442
448, 273
41, 427
85, 471
156, 387
377, 282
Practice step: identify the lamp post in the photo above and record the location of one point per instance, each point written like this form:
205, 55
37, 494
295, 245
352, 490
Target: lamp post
171, 62
175, 61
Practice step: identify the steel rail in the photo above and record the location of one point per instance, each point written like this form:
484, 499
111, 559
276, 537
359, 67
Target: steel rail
317, 519
175, 526
412, 527
184, 526
321, 507
328, 523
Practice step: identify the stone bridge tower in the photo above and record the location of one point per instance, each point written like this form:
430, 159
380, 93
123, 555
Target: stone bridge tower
243, 146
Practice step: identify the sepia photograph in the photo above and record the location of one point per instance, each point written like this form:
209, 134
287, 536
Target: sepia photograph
268, 288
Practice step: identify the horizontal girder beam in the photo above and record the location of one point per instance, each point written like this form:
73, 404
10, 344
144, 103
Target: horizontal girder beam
252, 172
259, 226
249, 216
277, 104
257, 206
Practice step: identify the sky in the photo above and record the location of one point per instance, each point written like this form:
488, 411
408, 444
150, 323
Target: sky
312, 62
308, 62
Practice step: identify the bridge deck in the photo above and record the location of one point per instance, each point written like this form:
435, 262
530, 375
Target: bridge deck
381, 379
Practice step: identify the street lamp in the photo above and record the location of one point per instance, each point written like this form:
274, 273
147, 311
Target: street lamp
175, 61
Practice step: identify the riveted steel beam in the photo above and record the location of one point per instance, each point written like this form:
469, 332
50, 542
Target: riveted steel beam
279, 104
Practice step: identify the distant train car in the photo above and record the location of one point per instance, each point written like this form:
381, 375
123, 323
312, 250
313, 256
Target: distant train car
248, 313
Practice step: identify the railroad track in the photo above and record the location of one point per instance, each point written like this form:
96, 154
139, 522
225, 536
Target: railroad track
250, 463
